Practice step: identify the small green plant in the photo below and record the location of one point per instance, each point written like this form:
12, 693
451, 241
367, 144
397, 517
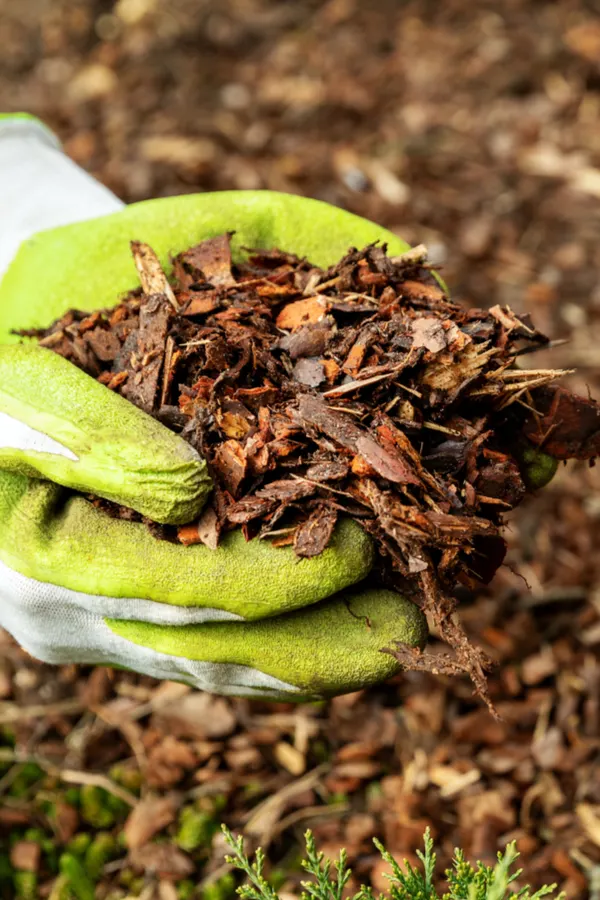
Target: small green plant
329, 879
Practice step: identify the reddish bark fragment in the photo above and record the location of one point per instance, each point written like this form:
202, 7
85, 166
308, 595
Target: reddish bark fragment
230, 460
202, 303
567, 426
313, 535
361, 467
388, 464
310, 340
283, 447
105, 344
354, 359
144, 352
501, 480
249, 508
268, 289
314, 412
285, 490
331, 369
331, 470
212, 260
117, 380
257, 398
416, 290
90, 322
302, 312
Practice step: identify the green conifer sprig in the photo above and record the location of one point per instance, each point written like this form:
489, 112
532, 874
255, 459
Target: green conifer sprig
407, 882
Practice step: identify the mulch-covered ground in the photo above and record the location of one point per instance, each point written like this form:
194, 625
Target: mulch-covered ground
474, 132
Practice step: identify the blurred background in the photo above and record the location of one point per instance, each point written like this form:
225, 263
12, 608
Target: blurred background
471, 127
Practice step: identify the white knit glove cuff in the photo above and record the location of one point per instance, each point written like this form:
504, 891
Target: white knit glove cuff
40, 187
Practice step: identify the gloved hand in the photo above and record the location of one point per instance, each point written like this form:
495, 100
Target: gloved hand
78, 586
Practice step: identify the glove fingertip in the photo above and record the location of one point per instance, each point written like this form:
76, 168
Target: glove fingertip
68, 428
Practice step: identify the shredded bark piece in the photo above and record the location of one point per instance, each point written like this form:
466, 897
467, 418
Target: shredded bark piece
361, 390
564, 425
313, 535
211, 260
152, 277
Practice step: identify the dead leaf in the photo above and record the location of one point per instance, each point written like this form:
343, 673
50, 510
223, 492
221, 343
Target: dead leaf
589, 816
66, 820
290, 758
584, 40
150, 816
26, 855
164, 859
197, 715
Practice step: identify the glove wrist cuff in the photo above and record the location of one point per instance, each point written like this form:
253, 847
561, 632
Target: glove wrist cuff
14, 124
40, 187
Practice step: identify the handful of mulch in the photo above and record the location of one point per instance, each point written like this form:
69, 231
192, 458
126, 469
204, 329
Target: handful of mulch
361, 390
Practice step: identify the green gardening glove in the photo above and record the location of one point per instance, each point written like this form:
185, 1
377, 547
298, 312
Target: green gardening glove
78, 586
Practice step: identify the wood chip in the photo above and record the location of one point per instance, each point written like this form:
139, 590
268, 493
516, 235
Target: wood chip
152, 276
212, 259
302, 312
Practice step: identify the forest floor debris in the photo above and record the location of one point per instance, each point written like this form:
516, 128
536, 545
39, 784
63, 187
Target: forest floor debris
449, 124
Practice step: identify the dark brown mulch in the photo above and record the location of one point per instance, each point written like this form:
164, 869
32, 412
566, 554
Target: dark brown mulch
278, 373
475, 132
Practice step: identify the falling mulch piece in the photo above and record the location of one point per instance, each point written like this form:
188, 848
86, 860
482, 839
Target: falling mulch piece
360, 390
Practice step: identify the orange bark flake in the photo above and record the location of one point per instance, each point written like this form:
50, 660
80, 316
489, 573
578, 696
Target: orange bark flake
331, 369
361, 467
302, 312
354, 359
